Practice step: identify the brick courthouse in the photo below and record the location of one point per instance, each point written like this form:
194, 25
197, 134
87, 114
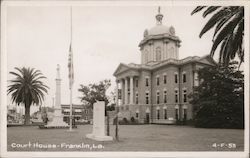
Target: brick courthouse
156, 91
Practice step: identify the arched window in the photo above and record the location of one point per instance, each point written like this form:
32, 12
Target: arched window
158, 54
158, 113
171, 52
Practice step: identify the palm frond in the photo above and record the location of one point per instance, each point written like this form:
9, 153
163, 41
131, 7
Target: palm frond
210, 10
197, 9
213, 20
228, 29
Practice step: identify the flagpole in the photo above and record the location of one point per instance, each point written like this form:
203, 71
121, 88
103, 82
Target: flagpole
70, 120
71, 85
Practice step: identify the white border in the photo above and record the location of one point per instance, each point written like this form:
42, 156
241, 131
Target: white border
3, 79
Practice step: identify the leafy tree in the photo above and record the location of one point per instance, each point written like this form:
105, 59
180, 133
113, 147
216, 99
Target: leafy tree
94, 92
219, 99
27, 88
111, 107
228, 32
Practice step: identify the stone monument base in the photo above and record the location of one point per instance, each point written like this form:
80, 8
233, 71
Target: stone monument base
98, 132
99, 138
57, 122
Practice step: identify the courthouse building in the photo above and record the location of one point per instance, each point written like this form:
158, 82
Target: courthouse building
156, 91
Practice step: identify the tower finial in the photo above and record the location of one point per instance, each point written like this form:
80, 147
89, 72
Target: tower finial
159, 17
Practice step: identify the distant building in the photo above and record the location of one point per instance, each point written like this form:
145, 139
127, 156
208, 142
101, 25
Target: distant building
13, 116
156, 91
78, 111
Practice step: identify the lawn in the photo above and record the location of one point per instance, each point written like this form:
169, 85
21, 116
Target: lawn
132, 138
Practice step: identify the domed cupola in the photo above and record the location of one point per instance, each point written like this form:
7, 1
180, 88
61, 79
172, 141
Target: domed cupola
159, 43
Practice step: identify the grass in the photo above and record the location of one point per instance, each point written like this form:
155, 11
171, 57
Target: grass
132, 138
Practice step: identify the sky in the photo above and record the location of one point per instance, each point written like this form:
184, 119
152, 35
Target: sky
102, 37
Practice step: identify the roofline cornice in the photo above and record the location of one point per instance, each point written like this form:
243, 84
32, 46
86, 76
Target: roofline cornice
157, 37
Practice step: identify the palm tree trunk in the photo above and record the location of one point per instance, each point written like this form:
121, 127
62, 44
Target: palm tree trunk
27, 114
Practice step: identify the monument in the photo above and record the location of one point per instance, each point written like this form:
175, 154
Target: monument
57, 121
98, 132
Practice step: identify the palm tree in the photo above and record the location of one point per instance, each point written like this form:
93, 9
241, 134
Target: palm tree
228, 33
27, 88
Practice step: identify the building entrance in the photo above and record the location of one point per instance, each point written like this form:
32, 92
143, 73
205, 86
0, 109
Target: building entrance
147, 118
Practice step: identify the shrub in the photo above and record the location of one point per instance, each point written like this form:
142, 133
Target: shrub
125, 120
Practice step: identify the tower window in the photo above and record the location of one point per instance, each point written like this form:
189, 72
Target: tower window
136, 83
158, 54
146, 56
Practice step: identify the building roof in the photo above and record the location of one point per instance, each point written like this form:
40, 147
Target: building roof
160, 31
74, 106
207, 60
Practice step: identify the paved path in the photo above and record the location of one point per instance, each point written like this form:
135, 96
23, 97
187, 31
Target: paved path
132, 138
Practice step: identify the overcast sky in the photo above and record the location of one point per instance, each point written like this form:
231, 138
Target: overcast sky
103, 37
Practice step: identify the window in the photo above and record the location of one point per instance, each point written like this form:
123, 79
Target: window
136, 98
158, 114
177, 114
147, 81
184, 95
157, 80
165, 96
158, 97
164, 78
147, 97
176, 78
136, 83
185, 114
196, 79
184, 79
158, 54
146, 56
129, 95
171, 52
165, 114
127, 107
136, 114
176, 96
